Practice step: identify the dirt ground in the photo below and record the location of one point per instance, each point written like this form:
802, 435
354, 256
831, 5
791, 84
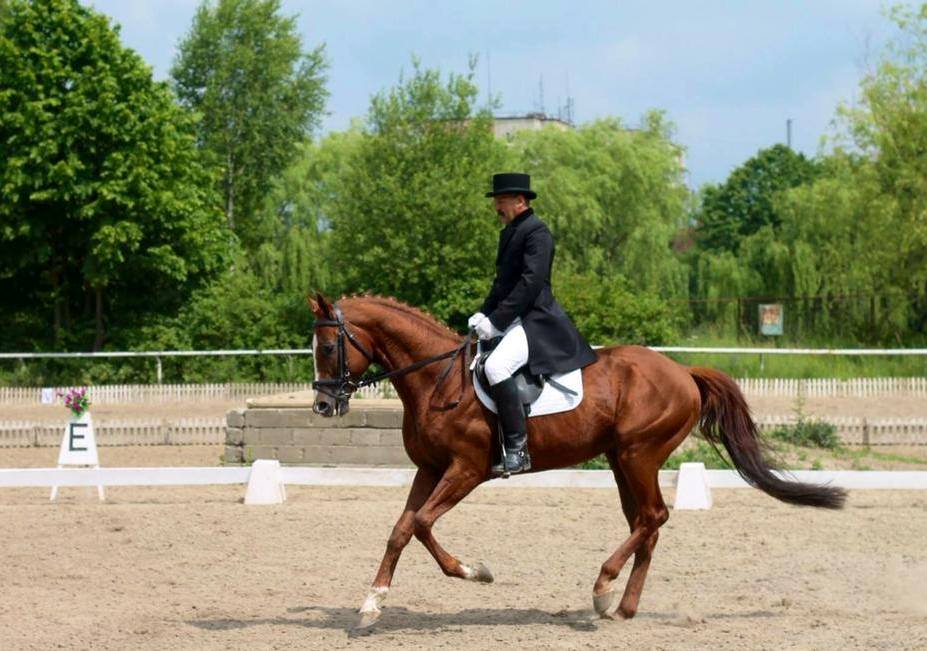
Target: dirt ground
193, 568
129, 456
876, 407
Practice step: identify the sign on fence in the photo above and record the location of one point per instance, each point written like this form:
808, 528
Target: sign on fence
770, 319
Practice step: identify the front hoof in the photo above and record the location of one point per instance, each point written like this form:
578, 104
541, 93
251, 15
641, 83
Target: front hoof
603, 604
370, 610
626, 612
481, 574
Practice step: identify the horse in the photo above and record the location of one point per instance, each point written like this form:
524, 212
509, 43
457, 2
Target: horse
638, 406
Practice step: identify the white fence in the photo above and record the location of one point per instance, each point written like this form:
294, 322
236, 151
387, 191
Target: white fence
121, 394
862, 431
833, 387
184, 431
108, 394
211, 431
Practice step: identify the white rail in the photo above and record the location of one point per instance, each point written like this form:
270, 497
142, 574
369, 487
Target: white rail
305, 476
308, 351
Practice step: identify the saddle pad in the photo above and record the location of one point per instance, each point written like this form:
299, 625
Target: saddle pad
551, 401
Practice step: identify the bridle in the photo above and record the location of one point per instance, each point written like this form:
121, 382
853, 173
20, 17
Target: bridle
340, 388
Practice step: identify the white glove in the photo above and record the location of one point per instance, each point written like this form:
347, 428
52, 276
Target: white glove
476, 318
486, 330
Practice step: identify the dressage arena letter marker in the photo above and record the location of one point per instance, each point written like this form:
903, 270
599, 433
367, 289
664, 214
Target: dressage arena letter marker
265, 485
692, 491
79, 448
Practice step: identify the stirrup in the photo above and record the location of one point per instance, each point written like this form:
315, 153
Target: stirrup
504, 470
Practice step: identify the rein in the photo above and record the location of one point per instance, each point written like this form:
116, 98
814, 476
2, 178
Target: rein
344, 385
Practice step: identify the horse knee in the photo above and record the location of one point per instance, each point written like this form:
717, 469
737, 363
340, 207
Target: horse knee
496, 370
399, 538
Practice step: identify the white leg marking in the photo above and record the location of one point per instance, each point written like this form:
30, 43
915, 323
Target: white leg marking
374, 600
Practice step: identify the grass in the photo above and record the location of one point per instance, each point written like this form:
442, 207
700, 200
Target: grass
702, 452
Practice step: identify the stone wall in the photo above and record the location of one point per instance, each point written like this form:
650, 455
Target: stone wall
365, 436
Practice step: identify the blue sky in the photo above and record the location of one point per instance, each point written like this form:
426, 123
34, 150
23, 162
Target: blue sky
728, 73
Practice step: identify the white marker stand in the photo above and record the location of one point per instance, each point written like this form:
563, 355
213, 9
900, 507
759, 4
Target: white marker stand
79, 448
692, 490
265, 485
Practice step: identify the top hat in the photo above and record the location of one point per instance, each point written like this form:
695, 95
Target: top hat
512, 183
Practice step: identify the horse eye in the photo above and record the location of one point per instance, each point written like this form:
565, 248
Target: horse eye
328, 349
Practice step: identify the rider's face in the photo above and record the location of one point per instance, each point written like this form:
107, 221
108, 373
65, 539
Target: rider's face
508, 206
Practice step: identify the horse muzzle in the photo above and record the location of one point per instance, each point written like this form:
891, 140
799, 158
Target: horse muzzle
329, 408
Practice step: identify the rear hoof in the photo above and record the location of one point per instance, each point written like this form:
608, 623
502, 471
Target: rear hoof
480, 573
368, 619
603, 604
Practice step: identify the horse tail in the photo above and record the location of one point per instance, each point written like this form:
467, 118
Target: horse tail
725, 419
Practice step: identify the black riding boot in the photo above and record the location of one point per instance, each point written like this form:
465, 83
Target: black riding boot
511, 412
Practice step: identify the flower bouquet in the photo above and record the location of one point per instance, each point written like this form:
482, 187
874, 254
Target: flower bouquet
77, 400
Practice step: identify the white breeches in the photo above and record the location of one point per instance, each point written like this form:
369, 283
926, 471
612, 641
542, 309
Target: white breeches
509, 356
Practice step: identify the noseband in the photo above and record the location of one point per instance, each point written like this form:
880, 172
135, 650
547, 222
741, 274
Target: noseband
340, 388
343, 385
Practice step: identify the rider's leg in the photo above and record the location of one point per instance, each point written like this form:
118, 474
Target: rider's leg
510, 355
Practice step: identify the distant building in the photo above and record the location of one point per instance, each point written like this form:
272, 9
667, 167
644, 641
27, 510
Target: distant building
504, 127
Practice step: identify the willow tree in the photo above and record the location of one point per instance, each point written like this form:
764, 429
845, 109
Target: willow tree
858, 236
614, 198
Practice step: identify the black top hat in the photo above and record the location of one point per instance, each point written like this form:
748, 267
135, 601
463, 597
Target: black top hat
512, 183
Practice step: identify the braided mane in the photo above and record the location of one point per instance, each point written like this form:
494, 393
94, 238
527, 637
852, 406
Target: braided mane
423, 317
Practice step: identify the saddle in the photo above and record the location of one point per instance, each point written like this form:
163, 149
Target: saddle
530, 386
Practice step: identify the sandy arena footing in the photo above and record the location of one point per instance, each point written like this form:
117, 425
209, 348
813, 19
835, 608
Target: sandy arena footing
193, 568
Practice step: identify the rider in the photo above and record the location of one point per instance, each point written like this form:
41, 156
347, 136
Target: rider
522, 310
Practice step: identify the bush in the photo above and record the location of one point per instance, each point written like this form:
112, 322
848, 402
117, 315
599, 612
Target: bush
606, 311
808, 433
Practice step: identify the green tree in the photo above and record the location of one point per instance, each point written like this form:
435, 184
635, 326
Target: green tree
259, 95
408, 214
744, 203
614, 198
105, 207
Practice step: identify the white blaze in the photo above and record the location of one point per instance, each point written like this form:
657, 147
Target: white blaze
315, 356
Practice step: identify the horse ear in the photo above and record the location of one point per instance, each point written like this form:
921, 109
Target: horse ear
313, 304
320, 305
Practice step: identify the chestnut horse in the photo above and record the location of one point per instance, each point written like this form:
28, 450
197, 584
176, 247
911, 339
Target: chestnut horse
638, 406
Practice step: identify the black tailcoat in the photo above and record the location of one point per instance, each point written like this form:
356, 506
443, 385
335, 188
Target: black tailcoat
522, 289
